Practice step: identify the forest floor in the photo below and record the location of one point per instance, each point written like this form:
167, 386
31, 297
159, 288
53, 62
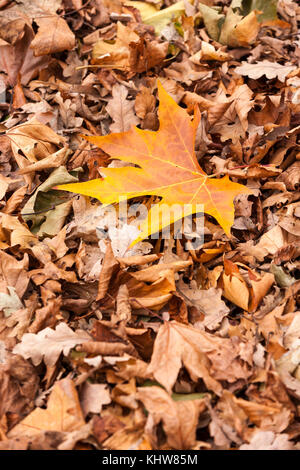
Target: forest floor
162, 344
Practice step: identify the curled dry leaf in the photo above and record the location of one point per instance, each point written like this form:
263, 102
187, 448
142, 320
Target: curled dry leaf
130, 52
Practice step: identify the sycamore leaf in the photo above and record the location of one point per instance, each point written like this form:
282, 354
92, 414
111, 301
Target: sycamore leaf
179, 418
203, 355
167, 167
63, 413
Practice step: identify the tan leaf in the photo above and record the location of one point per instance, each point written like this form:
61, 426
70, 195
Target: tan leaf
93, 397
121, 110
235, 287
208, 302
268, 440
203, 355
267, 68
130, 52
63, 413
238, 31
13, 273
179, 418
54, 35
207, 53
49, 344
144, 102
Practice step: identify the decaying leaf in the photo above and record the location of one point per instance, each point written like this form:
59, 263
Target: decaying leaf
179, 418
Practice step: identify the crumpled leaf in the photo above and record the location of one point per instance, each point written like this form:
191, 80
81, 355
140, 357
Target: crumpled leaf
54, 35
13, 273
208, 302
58, 212
169, 169
130, 52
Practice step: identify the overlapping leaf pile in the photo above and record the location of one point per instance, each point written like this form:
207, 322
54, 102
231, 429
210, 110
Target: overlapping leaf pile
105, 344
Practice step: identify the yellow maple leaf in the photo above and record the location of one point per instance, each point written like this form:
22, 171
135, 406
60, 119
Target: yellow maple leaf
166, 167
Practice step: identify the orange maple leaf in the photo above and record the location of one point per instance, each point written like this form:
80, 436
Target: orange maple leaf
167, 167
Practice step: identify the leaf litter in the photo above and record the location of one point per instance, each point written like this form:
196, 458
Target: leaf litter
109, 338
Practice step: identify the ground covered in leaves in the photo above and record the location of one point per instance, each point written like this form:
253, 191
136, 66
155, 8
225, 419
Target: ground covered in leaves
159, 345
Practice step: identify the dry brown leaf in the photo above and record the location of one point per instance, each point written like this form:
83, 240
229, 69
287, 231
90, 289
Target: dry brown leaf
203, 355
144, 102
13, 273
130, 52
120, 110
179, 418
268, 440
63, 413
208, 302
49, 344
93, 397
267, 68
54, 35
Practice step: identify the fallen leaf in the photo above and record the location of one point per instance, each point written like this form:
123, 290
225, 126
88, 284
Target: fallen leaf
157, 18
202, 354
49, 344
179, 418
13, 273
171, 177
120, 110
268, 440
267, 68
54, 35
63, 413
130, 52
93, 397
9, 303
208, 302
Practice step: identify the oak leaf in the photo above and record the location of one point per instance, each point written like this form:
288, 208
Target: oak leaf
49, 344
265, 67
168, 168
